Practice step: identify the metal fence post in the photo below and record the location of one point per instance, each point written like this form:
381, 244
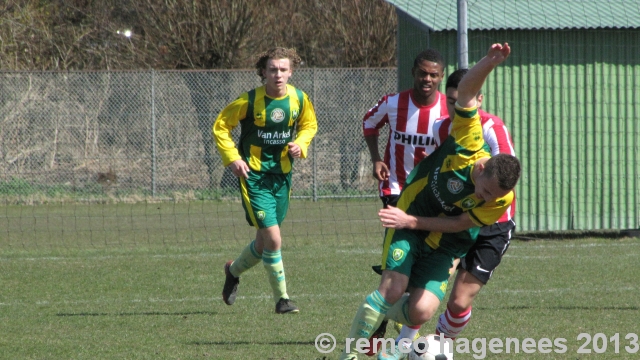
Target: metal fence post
313, 148
153, 133
463, 42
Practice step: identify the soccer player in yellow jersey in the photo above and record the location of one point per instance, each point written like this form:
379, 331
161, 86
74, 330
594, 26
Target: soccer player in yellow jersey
269, 116
447, 197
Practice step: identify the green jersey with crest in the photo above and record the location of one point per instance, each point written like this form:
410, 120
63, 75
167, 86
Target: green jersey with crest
267, 127
441, 184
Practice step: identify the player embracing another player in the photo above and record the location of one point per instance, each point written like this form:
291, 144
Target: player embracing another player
446, 199
478, 265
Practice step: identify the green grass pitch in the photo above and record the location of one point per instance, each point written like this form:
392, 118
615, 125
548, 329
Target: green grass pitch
159, 301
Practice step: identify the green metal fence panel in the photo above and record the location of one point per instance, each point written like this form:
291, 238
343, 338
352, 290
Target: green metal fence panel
571, 99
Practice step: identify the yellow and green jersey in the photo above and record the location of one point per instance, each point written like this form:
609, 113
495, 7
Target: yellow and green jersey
267, 125
441, 184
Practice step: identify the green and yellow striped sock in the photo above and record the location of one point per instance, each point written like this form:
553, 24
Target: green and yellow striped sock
248, 258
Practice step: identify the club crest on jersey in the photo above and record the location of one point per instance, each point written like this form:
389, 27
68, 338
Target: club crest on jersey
468, 203
455, 185
261, 215
295, 113
277, 115
398, 254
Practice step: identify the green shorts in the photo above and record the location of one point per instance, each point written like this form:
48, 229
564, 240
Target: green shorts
265, 198
404, 251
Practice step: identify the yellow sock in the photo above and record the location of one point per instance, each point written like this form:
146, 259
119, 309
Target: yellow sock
272, 261
367, 320
399, 312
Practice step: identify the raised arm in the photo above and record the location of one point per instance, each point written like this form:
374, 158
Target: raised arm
472, 81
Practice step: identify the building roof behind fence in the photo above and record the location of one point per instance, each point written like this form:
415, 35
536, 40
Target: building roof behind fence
440, 15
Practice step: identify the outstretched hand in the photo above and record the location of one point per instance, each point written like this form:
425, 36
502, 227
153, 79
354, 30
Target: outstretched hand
472, 82
498, 53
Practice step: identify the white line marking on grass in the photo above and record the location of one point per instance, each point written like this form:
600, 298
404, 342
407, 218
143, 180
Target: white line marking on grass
177, 300
267, 297
563, 290
109, 301
108, 257
550, 256
310, 296
551, 245
360, 251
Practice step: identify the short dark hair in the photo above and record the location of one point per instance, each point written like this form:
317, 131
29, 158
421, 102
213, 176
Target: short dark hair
277, 53
454, 78
432, 55
506, 168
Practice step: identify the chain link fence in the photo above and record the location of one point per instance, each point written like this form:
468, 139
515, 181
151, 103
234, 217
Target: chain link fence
147, 134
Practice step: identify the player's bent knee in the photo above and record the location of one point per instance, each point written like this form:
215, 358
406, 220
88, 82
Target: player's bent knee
419, 316
391, 294
424, 309
392, 285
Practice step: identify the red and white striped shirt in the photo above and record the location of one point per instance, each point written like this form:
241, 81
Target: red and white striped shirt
495, 134
410, 134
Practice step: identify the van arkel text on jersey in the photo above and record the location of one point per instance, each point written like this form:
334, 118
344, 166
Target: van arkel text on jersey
274, 138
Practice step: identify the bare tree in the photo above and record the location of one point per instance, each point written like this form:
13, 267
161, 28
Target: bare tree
194, 34
354, 33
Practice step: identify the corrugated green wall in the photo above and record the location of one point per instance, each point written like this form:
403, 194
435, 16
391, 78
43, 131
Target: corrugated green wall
571, 99
411, 41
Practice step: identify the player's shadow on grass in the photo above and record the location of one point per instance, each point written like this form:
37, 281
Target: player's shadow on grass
148, 313
204, 343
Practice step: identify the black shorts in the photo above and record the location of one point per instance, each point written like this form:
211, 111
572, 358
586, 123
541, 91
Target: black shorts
485, 255
390, 200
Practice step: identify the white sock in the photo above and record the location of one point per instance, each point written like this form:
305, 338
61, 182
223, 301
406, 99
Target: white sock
408, 332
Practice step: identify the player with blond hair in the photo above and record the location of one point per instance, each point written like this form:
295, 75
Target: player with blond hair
277, 124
